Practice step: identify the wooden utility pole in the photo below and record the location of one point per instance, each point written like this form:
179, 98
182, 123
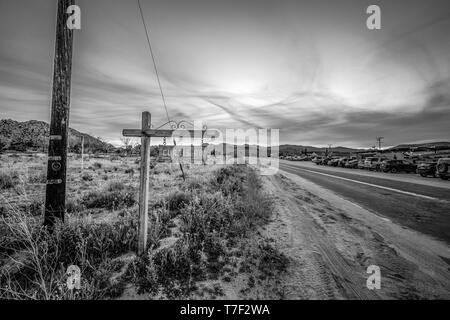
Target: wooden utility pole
55, 200
82, 153
143, 192
379, 140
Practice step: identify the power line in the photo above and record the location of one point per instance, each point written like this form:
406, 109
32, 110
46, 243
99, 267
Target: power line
147, 33
157, 75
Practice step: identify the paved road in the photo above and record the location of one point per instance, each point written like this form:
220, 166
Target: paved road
417, 204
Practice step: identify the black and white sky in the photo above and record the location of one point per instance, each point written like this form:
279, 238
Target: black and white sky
310, 68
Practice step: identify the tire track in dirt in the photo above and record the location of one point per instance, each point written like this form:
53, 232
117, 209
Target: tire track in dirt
318, 270
331, 248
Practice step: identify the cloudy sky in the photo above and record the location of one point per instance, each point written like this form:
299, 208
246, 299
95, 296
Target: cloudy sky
310, 68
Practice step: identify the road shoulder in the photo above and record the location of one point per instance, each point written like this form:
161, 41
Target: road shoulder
331, 242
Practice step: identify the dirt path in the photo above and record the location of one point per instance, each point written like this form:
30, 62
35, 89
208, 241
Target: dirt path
332, 241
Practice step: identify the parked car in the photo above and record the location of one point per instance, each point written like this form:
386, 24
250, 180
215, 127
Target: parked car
395, 166
352, 164
303, 158
333, 162
317, 160
324, 161
373, 163
443, 168
427, 169
361, 164
343, 161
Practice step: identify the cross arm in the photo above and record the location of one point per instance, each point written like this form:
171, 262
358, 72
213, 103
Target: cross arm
162, 133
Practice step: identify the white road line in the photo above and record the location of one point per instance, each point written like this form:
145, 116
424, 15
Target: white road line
367, 184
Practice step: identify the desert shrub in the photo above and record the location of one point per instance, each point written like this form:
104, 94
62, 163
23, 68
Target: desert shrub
33, 208
111, 200
142, 272
197, 183
38, 270
3, 213
38, 177
87, 177
129, 171
162, 169
6, 180
74, 205
115, 186
254, 206
177, 200
230, 179
97, 165
158, 226
271, 260
174, 270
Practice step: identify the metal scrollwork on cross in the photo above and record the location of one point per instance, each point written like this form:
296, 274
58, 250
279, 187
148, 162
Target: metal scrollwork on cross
182, 125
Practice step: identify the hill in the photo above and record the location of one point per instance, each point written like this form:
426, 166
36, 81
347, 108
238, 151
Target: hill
297, 150
422, 146
33, 135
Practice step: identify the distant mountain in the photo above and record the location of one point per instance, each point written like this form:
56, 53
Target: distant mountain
422, 146
294, 149
33, 135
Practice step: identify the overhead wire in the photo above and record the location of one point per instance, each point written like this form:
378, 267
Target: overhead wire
147, 33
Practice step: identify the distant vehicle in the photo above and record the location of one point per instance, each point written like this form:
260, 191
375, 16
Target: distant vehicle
301, 158
373, 163
344, 161
317, 160
352, 164
361, 164
325, 161
443, 168
395, 166
427, 169
333, 162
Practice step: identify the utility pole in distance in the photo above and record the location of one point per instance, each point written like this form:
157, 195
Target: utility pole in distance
55, 197
379, 140
82, 153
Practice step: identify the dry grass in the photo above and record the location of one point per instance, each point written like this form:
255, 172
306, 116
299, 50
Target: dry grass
199, 231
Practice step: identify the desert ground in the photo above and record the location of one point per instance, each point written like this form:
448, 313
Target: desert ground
224, 233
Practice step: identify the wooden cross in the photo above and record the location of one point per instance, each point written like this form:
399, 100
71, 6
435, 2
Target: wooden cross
145, 133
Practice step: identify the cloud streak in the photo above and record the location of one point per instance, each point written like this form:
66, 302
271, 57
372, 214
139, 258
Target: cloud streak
310, 69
